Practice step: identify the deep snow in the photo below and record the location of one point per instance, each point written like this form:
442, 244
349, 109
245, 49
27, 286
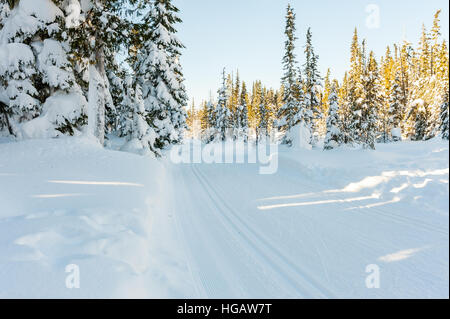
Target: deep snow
141, 227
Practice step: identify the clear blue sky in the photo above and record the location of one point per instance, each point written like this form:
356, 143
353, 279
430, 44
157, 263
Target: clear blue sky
248, 35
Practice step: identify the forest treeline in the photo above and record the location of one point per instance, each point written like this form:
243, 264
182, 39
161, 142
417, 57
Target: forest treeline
401, 95
60, 74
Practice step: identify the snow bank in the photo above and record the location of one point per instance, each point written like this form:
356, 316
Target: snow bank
68, 201
300, 137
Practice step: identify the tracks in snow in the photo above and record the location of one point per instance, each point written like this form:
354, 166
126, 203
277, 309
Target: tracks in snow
291, 273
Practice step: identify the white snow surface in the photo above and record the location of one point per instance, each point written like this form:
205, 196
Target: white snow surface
55, 111
300, 137
13, 54
45, 10
143, 227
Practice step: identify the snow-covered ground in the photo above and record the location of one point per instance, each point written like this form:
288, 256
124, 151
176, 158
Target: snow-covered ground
140, 227
68, 201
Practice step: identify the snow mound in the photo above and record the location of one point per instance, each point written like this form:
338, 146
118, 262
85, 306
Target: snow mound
44, 10
57, 109
300, 137
68, 201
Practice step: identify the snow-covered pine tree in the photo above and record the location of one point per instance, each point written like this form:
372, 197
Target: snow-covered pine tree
7, 70
396, 110
253, 108
47, 89
355, 93
222, 113
231, 103
345, 113
204, 121
293, 110
263, 125
190, 119
421, 120
312, 81
444, 125
125, 108
65, 105
139, 127
96, 29
387, 74
324, 95
371, 103
333, 136
116, 76
159, 72
243, 112
210, 132
236, 108
420, 114
17, 68
141, 133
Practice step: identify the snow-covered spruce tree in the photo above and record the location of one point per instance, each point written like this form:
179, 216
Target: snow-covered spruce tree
159, 73
222, 113
263, 125
443, 128
210, 130
125, 108
355, 92
345, 113
253, 108
312, 81
419, 113
65, 105
387, 74
48, 88
204, 120
333, 137
142, 137
235, 107
96, 32
321, 124
17, 69
396, 110
116, 76
371, 103
293, 110
243, 112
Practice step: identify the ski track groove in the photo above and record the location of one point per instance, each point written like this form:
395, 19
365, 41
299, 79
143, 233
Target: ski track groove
208, 289
253, 247
284, 260
200, 289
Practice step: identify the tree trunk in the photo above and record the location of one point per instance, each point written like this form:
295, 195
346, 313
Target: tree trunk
5, 114
97, 94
